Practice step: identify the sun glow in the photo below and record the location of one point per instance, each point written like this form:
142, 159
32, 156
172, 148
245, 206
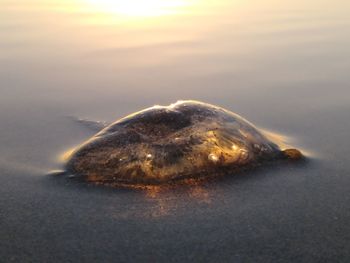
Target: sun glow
139, 8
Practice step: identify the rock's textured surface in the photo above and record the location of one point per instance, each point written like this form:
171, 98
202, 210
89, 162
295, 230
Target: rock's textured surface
187, 139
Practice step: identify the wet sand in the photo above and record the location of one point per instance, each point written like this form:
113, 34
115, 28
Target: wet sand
282, 67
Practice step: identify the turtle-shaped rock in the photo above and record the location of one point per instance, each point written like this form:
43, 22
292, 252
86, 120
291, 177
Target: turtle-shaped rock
188, 139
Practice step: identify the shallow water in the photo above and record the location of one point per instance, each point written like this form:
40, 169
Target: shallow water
283, 66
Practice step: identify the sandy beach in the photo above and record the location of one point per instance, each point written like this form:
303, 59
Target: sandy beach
283, 66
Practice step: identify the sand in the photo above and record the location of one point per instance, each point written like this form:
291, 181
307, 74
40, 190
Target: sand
283, 67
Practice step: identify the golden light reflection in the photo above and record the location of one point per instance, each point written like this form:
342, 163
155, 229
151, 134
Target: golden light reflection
284, 142
166, 200
139, 8
63, 157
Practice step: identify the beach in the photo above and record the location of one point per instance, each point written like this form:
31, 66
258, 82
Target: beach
282, 66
